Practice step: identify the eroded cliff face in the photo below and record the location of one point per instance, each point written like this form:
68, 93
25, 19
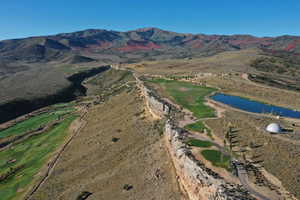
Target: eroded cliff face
157, 107
197, 181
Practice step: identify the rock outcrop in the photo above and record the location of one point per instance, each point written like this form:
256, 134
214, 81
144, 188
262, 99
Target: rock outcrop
197, 181
158, 107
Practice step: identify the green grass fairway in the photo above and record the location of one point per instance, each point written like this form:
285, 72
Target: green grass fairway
199, 143
214, 157
189, 96
33, 123
32, 153
198, 126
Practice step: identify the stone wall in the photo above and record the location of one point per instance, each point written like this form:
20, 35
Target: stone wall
198, 181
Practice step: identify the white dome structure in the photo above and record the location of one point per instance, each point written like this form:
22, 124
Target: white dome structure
274, 128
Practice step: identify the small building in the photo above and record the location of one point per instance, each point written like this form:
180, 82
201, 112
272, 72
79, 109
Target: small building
274, 128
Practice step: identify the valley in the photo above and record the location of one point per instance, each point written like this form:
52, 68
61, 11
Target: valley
100, 114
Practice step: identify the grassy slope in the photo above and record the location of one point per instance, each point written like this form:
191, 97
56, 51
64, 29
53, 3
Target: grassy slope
93, 163
109, 79
34, 83
32, 153
60, 105
189, 96
198, 126
33, 123
225, 62
199, 143
214, 157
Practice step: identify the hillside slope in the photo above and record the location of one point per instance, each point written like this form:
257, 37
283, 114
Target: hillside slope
119, 154
126, 44
38, 67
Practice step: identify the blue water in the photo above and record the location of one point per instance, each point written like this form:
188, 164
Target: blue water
254, 106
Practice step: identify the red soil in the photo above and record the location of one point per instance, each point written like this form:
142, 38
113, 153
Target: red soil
195, 44
264, 41
100, 45
133, 45
291, 46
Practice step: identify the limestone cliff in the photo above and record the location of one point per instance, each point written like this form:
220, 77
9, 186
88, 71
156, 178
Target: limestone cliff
198, 181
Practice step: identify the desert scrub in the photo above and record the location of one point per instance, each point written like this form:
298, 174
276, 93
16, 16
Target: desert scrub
159, 126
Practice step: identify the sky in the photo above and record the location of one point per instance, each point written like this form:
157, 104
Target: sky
24, 18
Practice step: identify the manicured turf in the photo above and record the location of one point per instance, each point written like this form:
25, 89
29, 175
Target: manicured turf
215, 158
198, 126
199, 143
32, 153
189, 96
33, 123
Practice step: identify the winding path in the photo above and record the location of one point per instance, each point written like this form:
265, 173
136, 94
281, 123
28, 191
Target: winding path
241, 172
243, 177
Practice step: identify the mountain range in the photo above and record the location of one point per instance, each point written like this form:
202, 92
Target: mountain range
35, 71
151, 43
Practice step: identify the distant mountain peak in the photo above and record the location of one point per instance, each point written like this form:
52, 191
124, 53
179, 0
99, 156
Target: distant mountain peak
97, 41
145, 29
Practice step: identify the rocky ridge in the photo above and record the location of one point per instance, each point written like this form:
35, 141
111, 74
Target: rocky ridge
195, 179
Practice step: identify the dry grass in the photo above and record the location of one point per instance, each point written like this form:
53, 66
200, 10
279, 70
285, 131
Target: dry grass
38, 81
235, 85
94, 163
232, 63
279, 157
223, 62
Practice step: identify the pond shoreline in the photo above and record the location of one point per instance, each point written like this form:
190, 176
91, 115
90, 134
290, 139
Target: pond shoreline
236, 108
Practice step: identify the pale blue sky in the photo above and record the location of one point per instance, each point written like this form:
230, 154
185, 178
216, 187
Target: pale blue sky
22, 18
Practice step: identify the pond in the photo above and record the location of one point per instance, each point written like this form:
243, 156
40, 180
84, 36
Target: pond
254, 106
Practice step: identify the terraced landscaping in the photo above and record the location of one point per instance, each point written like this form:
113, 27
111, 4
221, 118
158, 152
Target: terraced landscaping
22, 161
